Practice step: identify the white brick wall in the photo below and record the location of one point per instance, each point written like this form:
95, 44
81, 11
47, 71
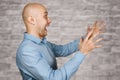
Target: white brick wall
70, 19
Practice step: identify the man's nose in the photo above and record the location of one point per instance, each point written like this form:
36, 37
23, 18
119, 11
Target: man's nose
49, 21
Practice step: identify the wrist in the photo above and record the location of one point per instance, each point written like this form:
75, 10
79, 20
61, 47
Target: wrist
83, 52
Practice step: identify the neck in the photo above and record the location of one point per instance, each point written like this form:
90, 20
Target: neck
34, 33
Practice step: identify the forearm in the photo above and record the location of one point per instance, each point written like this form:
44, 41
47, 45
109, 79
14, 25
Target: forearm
68, 70
67, 49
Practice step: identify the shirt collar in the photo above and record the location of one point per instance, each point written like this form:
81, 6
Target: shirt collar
34, 39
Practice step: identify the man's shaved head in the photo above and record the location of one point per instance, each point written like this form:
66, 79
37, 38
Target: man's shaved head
31, 8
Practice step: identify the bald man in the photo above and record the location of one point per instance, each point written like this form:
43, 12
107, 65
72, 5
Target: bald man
36, 57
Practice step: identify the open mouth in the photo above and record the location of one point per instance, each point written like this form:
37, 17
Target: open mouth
45, 29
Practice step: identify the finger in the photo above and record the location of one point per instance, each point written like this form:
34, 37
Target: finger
101, 25
97, 33
81, 40
89, 35
95, 24
103, 29
91, 28
95, 27
94, 35
101, 32
98, 46
98, 40
88, 29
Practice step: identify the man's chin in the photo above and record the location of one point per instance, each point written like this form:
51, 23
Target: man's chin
45, 34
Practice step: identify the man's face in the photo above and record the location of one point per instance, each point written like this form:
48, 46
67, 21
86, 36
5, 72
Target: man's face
42, 22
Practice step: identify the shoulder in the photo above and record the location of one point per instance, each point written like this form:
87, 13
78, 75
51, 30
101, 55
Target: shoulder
27, 46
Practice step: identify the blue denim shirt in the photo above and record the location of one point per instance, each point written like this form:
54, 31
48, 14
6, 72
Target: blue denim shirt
36, 59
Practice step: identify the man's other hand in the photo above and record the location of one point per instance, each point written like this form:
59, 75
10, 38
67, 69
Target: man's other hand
87, 44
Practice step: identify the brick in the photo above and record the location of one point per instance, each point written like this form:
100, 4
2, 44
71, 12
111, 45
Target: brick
4, 66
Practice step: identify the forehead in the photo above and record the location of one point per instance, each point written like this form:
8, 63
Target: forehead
43, 10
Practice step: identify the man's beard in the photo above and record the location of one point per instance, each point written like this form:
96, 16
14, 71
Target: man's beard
43, 31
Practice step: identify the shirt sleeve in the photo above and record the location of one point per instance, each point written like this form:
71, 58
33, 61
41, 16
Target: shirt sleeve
39, 68
65, 50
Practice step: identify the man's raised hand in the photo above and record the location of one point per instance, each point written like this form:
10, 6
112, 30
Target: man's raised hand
87, 44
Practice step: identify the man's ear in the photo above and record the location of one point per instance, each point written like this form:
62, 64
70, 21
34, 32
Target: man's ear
31, 20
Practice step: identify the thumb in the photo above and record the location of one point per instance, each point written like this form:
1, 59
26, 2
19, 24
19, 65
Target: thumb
81, 40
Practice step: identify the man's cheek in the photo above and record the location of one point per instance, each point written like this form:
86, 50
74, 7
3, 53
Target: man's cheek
39, 29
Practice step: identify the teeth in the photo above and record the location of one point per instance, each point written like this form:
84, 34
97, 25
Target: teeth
46, 28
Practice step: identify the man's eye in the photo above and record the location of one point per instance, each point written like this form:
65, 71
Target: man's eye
45, 16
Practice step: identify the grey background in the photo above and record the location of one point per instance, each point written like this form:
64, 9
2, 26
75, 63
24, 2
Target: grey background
70, 19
